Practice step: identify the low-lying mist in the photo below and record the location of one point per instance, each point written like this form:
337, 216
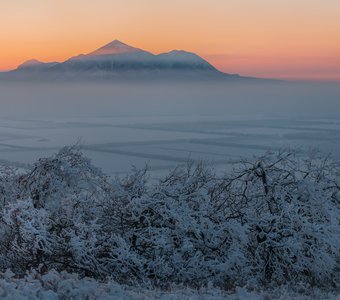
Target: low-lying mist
276, 99
166, 124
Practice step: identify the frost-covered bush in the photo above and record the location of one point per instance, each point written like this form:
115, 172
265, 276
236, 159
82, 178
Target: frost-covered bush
270, 221
51, 219
290, 206
175, 232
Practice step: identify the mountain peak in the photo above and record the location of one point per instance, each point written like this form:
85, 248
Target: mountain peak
114, 47
30, 63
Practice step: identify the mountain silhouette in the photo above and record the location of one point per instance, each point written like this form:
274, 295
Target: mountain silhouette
117, 60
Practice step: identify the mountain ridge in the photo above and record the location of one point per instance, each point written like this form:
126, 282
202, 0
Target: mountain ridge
117, 60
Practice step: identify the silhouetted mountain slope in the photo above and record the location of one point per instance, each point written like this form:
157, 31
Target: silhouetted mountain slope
117, 60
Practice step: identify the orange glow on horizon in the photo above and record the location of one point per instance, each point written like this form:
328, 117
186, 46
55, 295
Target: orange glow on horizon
286, 39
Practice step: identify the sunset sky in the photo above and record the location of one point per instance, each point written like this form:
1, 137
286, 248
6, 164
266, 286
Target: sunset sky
296, 39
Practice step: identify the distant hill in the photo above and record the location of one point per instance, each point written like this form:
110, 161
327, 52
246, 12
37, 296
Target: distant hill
120, 61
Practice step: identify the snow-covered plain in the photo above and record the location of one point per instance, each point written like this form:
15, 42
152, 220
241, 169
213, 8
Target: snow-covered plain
166, 124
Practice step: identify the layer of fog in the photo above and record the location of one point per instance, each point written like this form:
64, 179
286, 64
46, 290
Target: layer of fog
165, 124
264, 99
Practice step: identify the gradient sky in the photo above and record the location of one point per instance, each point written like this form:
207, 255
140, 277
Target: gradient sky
296, 39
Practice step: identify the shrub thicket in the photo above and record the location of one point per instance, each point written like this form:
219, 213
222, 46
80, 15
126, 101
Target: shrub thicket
273, 220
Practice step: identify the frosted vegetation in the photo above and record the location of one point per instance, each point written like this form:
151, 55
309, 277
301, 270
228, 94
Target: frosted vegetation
271, 221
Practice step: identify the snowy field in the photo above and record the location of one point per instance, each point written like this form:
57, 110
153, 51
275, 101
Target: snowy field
166, 125
54, 286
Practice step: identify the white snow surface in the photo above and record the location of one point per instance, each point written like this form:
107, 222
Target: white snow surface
54, 286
